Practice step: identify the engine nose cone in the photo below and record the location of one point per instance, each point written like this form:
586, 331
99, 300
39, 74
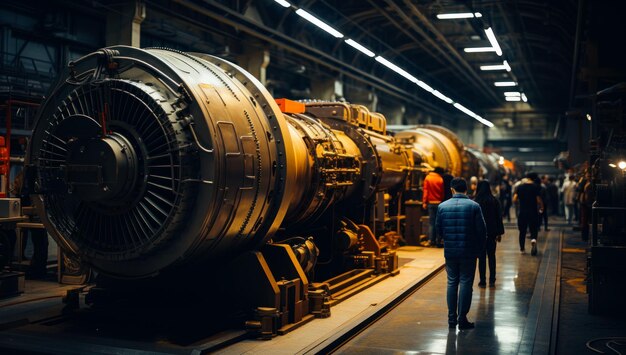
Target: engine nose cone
101, 169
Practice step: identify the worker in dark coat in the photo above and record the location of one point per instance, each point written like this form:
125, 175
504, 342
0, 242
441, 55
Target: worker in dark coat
506, 198
531, 206
461, 225
492, 213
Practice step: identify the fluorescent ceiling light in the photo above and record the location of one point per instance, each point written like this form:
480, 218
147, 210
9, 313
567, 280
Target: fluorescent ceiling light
478, 14
513, 93
478, 49
472, 114
425, 86
503, 66
456, 16
360, 48
505, 83
442, 96
493, 67
494, 42
513, 98
319, 23
283, 3
397, 69
524, 98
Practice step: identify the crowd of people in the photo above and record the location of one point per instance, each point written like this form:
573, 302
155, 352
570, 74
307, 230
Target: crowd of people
567, 196
466, 219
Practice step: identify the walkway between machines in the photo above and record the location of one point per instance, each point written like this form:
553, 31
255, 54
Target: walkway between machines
417, 265
509, 320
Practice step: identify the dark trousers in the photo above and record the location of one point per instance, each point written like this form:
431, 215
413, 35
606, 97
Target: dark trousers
506, 209
490, 253
524, 223
39, 238
585, 219
460, 273
38, 263
432, 220
544, 217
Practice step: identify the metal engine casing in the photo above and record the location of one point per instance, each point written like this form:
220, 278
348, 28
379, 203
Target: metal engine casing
144, 160
210, 163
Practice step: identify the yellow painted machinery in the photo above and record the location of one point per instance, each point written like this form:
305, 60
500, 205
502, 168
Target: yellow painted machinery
148, 165
152, 164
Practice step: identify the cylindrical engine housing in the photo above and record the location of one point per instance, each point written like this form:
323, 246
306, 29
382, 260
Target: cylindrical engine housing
148, 159
436, 147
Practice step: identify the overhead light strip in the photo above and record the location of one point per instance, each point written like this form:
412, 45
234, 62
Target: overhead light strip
492, 67
503, 66
324, 26
360, 48
397, 69
442, 97
513, 98
505, 83
472, 114
283, 3
494, 42
425, 86
319, 23
478, 49
512, 93
459, 15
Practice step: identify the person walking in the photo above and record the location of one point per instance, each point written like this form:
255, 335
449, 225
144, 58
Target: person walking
586, 201
461, 225
432, 197
553, 195
471, 189
545, 199
569, 197
492, 213
505, 194
530, 206
513, 192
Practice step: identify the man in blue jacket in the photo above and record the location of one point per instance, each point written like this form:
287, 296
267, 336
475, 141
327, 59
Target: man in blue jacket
461, 224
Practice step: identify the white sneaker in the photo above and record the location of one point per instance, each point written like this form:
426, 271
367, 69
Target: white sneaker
533, 250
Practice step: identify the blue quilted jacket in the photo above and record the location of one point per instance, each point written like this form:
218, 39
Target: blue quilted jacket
460, 223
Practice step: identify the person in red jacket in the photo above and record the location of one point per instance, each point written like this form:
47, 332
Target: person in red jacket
432, 197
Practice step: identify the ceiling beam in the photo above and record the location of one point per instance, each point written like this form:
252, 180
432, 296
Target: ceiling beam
469, 71
518, 50
238, 21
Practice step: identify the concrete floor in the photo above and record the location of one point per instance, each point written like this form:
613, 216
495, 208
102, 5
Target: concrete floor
419, 325
510, 318
418, 264
576, 325
502, 314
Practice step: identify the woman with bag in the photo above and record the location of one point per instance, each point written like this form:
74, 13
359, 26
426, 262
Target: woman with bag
492, 212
